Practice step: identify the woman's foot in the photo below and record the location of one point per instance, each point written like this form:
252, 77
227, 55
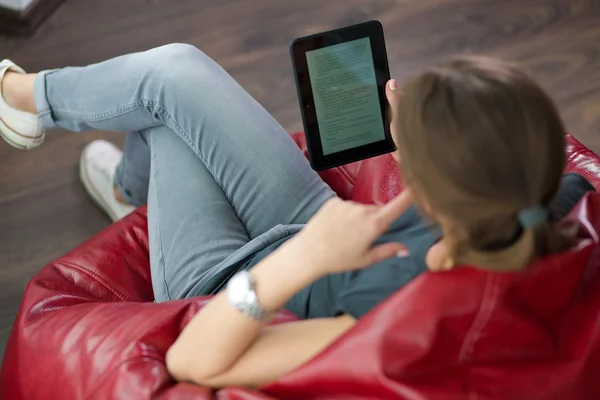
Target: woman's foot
97, 167
19, 124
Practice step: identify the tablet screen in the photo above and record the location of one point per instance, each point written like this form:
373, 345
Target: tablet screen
345, 93
340, 78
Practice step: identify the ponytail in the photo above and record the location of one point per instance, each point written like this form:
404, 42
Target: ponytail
543, 238
552, 237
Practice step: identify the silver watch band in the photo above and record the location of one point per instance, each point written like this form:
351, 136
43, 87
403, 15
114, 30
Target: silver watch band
242, 295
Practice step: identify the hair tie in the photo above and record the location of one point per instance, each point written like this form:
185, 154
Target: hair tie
530, 217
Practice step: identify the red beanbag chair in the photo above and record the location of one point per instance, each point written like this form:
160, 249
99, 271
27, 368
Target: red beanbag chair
88, 327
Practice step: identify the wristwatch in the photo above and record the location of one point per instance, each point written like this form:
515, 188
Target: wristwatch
242, 295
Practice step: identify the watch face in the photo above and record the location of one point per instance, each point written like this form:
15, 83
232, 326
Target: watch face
239, 287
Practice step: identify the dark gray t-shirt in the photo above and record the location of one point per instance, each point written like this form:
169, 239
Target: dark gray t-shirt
357, 292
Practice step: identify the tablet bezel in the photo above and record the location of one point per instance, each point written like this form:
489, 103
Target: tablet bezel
298, 48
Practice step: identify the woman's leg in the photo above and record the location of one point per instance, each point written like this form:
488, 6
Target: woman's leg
177, 98
192, 227
132, 175
250, 156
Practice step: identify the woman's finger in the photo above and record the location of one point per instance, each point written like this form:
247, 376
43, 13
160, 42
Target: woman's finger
393, 94
395, 207
384, 251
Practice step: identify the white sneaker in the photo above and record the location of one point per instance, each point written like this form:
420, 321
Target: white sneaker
97, 167
19, 128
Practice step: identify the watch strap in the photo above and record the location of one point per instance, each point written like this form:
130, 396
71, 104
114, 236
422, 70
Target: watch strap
251, 307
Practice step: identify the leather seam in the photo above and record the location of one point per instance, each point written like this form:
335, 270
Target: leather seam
576, 153
482, 317
106, 375
97, 277
347, 176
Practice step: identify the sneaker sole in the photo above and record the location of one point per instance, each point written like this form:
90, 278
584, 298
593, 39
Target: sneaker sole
91, 190
17, 140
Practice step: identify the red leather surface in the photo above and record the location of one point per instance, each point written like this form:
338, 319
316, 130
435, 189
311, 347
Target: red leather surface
87, 328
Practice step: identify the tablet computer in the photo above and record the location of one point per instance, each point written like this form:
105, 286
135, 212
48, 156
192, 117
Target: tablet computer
340, 78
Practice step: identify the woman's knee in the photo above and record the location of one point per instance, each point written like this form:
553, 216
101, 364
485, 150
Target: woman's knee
176, 52
176, 61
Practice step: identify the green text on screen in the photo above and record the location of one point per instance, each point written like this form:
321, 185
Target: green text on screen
346, 98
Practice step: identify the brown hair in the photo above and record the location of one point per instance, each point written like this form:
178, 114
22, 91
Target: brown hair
480, 141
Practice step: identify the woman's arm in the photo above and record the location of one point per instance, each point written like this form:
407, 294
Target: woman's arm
221, 346
278, 350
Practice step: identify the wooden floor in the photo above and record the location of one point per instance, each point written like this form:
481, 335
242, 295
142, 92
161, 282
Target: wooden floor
44, 211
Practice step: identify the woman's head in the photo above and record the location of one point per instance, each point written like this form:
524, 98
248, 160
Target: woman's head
479, 141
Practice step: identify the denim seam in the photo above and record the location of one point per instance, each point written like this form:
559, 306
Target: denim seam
125, 182
44, 112
104, 115
121, 186
161, 258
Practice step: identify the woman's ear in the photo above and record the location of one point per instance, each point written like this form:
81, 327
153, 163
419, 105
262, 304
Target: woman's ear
438, 259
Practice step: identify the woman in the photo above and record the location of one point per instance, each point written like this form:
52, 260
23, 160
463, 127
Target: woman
481, 149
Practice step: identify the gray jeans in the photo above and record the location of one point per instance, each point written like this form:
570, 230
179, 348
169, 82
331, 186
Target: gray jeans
222, 179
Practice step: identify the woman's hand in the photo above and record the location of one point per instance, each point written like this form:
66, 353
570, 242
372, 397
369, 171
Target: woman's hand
340, 236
